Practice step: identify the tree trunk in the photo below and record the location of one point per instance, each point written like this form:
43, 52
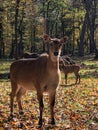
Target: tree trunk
63, 33
12, 52
1, 40
92, 29
73, 33
16, 28
46, 25
90, 7
1, 34
20, 47
81, 43
96, 54
33, 46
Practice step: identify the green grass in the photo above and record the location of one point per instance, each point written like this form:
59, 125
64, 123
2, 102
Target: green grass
5, 66
5, 69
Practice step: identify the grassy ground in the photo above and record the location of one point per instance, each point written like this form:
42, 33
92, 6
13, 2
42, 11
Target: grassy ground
76, 106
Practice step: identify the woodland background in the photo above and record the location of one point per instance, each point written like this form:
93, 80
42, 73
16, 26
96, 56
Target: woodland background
22, 25
23, 22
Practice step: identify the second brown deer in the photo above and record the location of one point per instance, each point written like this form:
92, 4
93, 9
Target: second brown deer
41, 74
66, 69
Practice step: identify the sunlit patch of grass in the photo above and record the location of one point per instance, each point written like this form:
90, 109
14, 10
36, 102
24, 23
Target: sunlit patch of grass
5, 66
5, 69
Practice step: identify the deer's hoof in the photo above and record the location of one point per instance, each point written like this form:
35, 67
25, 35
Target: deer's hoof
11, 115
21, 113
40, 123
51, 121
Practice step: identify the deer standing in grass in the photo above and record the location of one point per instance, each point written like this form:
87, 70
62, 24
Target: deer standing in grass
71, 69
41, 74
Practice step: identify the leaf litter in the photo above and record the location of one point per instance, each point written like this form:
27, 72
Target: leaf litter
76, 107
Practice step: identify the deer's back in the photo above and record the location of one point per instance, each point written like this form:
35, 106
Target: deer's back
71, 68
28, 69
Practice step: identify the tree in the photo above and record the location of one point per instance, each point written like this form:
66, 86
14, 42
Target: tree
1, 32
90, 7
16, 27
24, 22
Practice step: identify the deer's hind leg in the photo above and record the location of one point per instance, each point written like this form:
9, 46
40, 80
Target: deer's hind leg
19, 95
12, 96
77, 78
66, 78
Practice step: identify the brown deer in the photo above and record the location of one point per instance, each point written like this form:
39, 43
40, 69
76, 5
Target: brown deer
41, 74
71, 69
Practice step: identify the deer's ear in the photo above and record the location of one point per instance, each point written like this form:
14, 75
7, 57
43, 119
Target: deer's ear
64, 39
46, 38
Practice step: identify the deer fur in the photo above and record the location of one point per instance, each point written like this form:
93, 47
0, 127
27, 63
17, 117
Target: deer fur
41, 74
66, 69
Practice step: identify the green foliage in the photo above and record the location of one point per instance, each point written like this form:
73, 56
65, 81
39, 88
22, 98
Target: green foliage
4, 66
63, 17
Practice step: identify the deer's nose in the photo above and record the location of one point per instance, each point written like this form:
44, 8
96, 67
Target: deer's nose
56, 53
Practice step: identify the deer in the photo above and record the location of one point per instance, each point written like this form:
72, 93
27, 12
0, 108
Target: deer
66, 69
41, 74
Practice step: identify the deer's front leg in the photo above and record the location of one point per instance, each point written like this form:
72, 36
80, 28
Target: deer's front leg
65, 78
41, 106
77, 78
52, 103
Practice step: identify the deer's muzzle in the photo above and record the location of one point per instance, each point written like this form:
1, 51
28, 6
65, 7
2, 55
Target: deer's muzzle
56, 53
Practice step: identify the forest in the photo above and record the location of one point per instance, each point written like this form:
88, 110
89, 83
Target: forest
23, 23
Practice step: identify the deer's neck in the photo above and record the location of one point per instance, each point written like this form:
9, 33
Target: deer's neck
53, 64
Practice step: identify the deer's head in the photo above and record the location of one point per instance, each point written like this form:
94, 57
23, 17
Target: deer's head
55, 46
